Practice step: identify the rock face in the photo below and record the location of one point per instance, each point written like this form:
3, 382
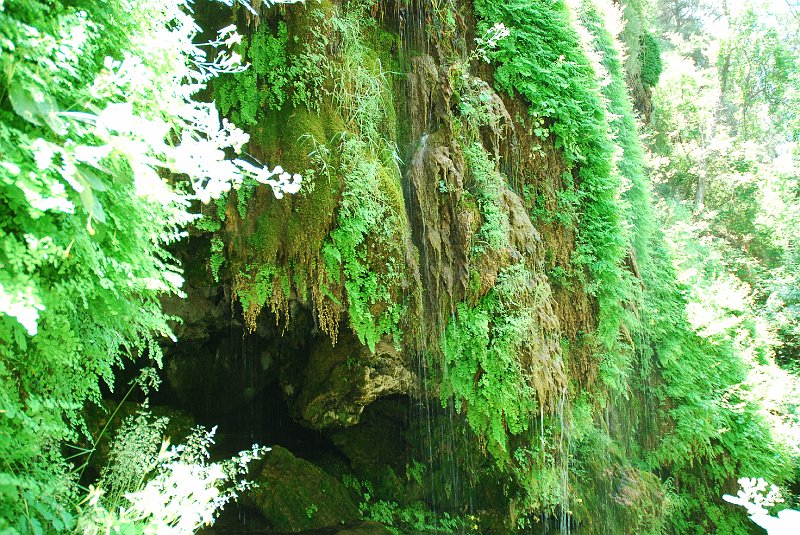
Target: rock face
438, 226
376, 450
436, 171
216, 378
338, 381
202, 306
294, 495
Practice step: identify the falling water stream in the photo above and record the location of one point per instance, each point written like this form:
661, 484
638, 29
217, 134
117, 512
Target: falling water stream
443, 429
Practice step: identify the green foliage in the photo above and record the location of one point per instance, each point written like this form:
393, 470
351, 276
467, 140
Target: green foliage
544, 62
243, 195
366, 219
83, 266
413, 518
134, 452
497, 366
260, 285
484, 374
476, 105
365, 250
277, 75
565, 211
732, 252
724, 332
217, 257
713, 422
95, 115
354, 261
636, 23
487, 185
152, 487
636, 202
268, 56
757, 66
82, 258
650, 59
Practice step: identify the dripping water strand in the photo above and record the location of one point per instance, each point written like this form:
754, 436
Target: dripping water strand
425, 415
563, 447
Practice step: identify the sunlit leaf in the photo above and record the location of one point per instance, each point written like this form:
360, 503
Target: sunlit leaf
24, 103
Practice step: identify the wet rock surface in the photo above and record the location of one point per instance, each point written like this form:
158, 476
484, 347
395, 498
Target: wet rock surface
316, 378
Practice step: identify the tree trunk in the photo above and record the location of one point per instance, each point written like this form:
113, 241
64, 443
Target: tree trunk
700, 193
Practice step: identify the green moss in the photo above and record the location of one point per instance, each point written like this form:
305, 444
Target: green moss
342, 240
487, 185
289, 488
278, 242
296, 226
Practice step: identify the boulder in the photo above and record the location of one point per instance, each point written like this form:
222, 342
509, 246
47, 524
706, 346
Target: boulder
294, 495
201, 311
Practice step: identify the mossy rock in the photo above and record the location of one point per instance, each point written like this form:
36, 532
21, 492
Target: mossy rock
377, 450
294, 495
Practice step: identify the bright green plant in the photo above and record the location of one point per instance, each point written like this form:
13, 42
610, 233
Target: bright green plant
96, 107
283, 70
713, 417
486, 344
403, 519
650, 58
365, 215
544, 62
171, 489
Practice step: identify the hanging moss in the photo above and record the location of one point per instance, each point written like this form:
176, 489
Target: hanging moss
340, 245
